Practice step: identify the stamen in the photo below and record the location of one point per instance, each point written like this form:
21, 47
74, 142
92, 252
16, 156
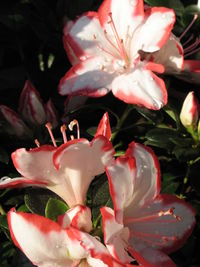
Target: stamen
72, 137
118, 40
49, 127
189, 26
145, 236
154, 216
102, 49
192, 46
189, 39
63, 131
37, 142
71, 126
192, 52
105, 34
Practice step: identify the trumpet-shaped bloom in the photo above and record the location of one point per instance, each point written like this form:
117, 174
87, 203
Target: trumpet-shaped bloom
106, 49
66, 170
155, 224
48, 244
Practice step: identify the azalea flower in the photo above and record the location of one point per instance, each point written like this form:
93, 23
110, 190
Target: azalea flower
66, 170
145, 223
48, 244
106, 50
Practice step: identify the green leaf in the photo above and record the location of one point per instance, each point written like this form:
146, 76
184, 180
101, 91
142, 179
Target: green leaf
175, 4
4, 158
36, 200
54, 208
3, 222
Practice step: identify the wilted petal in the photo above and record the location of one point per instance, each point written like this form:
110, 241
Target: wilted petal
47, 243
78, 217
141, 87
30, 105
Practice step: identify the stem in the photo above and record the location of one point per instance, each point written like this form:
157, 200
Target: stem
2, 211
122, 120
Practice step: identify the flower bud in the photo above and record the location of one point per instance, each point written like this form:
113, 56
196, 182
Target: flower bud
30, 105
51, 113
16, 125
190, 111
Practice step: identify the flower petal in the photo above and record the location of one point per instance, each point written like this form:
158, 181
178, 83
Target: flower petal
47, 243
104, 127
155, 30
7, 182
126, 18
170, 55
78, 217
140, 87
51, 113
87, 78
79, 161
151, 257
147, 183
191, 72
35, 163
121, 177
164, 224
116, 237
86, 37
30, 105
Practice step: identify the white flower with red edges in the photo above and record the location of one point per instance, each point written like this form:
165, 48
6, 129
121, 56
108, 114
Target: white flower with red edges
145, 223
48, 244
66, 170
106, 49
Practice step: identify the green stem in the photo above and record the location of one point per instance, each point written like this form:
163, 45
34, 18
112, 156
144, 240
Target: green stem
2, 211
121, 120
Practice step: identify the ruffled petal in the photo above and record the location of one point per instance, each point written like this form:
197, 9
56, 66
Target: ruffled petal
115, 236
36, 163
90, 78
141, 87
78, 217
147, 183
7, 182
79, 161
104, 127
154, 32
164, 224
47, 243
121, 177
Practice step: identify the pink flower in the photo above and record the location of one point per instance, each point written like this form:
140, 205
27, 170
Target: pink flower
66, 170
48, 244
147, 224
190, 111
106, 49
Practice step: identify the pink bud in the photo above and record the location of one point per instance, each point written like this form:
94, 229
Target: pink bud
30, 105
51, 113
16, 125
190, 111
